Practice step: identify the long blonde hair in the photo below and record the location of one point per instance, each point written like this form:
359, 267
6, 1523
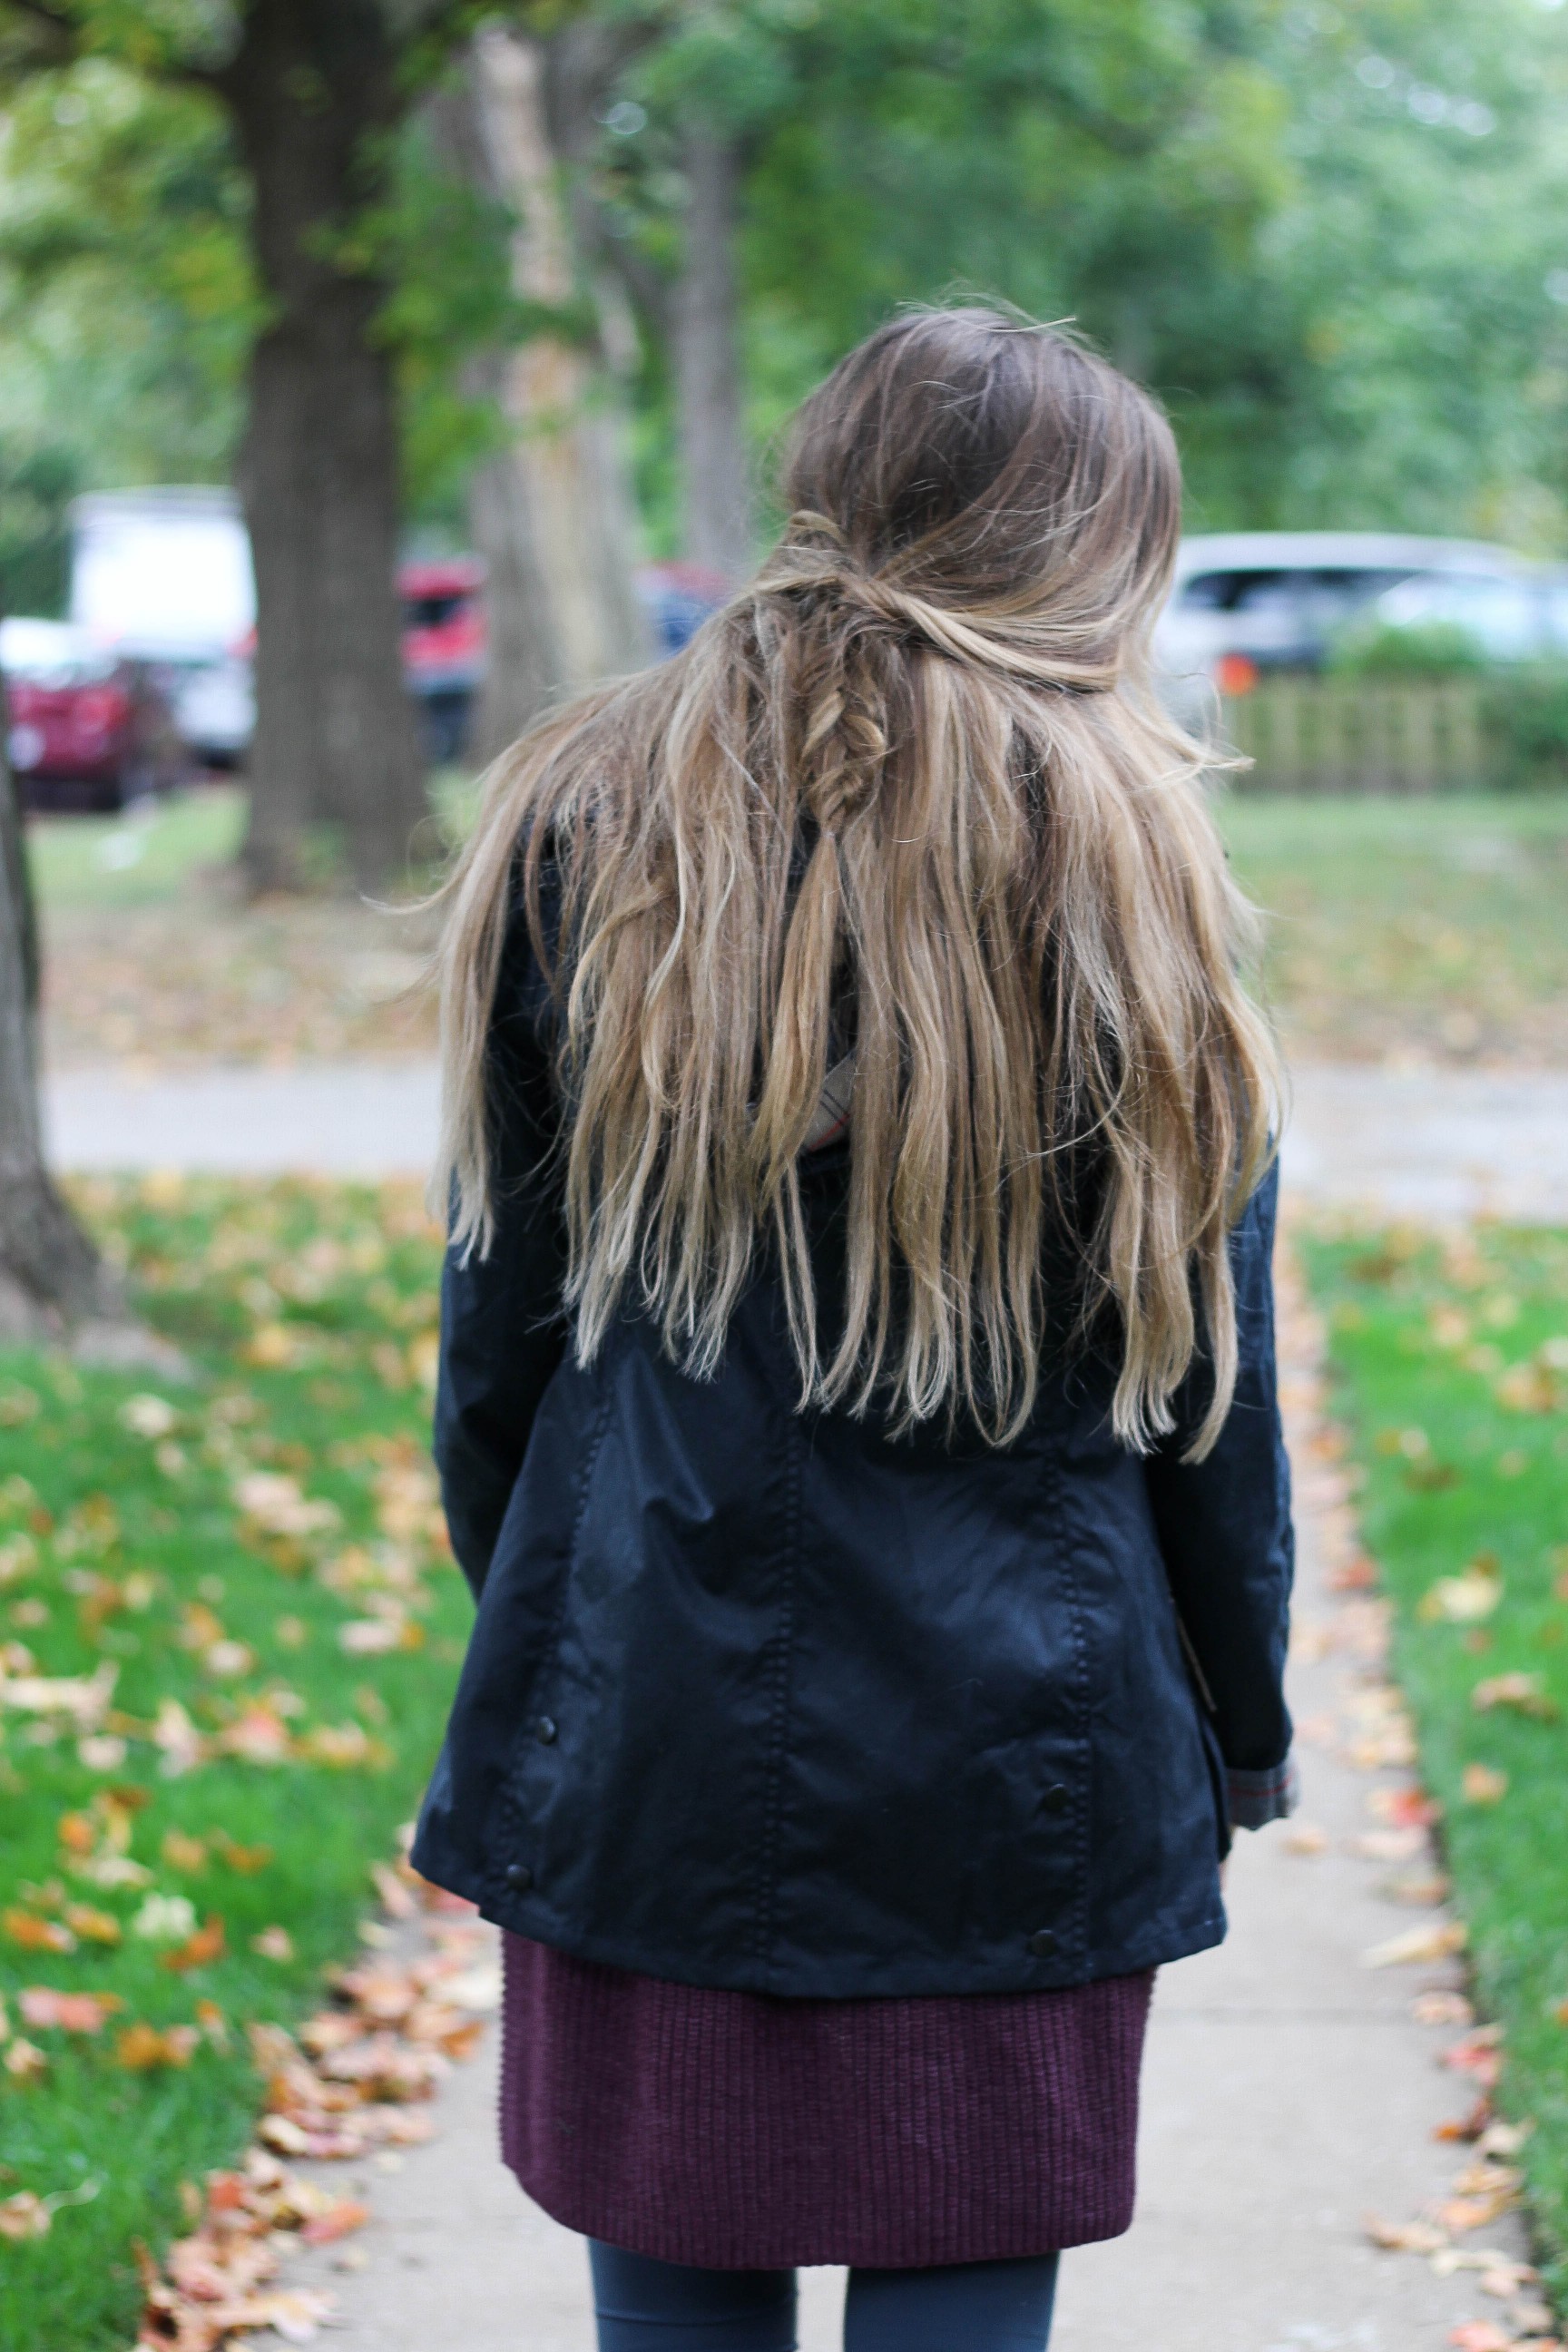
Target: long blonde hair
907, 794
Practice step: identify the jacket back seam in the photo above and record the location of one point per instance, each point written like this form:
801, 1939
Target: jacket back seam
780, 1679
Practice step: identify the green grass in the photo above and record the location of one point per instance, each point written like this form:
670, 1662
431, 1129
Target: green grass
1431, 926
140, 859
1452, 1372
306, 1313
163, 852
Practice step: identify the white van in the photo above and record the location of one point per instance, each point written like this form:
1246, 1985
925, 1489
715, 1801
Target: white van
163, 577
1276, 599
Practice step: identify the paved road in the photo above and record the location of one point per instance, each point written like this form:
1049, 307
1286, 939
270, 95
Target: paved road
1436, 1143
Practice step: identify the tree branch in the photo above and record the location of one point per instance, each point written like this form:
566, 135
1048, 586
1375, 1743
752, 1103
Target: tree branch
57, 21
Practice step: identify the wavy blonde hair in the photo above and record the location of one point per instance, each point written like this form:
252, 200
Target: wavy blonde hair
909, 793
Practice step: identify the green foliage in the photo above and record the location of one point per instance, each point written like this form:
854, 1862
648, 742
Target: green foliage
125, 292
1433, 649
37, 485
1327, 236
1528, 712
126, 1548
1447, 1364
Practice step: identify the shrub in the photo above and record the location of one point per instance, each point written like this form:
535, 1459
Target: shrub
1430, 649
1526, 720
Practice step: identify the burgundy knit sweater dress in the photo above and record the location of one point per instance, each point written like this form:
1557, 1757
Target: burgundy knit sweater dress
743, 2132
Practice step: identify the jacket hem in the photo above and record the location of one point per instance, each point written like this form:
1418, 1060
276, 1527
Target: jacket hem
845, 1977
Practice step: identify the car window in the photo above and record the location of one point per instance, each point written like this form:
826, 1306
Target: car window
1505, 617
432, 611
1315, 593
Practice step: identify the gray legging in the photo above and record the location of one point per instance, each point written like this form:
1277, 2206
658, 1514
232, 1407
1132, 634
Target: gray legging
645, 2305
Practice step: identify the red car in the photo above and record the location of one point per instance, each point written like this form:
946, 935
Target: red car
444, 645
87, 729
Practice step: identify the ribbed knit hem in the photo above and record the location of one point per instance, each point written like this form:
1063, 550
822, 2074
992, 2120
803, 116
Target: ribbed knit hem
741, 2132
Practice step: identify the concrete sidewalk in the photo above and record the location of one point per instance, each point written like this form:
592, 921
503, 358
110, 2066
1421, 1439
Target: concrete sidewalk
1289, 2093
1434, 1143
1288, 2090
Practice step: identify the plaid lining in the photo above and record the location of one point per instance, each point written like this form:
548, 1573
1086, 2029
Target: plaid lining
1255, 1798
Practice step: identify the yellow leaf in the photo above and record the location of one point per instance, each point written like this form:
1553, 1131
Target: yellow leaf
1435, 1941
92, 1927
1483, 1784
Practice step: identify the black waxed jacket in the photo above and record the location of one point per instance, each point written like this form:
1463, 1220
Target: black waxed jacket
764, 1699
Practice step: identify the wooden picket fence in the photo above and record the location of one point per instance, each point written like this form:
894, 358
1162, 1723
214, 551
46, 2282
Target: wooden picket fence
1344, 735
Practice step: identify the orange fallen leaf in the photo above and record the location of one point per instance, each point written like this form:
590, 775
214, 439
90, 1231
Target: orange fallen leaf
92, 1927
1404, 1808
78, 1832
73, 2012
198, 1950
1480, 2335
326, 2227
184, 1854
141, 2047
1483, 1784
34, 1934
247, 1859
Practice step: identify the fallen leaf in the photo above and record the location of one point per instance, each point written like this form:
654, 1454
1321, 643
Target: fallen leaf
1417, 1945
148, 1416
1483, 1784
246, 1859
1524, 1693
33, 1933
1404, 1808
259, 1735
273, 1944
343, 2215
25, 2062
395, 1896
1480, 2335
165, 1918
1442, 2009
1463, 1600
24, 2215
1403, 2237
1305, 1837
92, 1927
1390, 1845
73, 2013
141, 2047
182, 1853
199, 1950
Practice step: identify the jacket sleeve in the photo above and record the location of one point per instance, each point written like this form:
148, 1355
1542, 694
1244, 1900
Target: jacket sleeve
1225, 1533
504, 1328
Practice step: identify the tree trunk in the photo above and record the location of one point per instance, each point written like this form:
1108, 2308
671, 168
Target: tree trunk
708, 365
551, 512
51, 1276
314, 95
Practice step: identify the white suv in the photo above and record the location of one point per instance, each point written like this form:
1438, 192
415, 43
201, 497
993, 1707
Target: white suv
1276, 599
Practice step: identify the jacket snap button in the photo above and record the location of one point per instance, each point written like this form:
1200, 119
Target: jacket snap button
544, 1729
1058, 1798
1042, 1943
519, 1874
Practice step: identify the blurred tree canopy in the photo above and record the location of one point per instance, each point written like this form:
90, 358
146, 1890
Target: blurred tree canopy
1331, 235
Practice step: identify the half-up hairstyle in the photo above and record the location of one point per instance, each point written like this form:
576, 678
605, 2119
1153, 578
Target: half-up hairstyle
908, 798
